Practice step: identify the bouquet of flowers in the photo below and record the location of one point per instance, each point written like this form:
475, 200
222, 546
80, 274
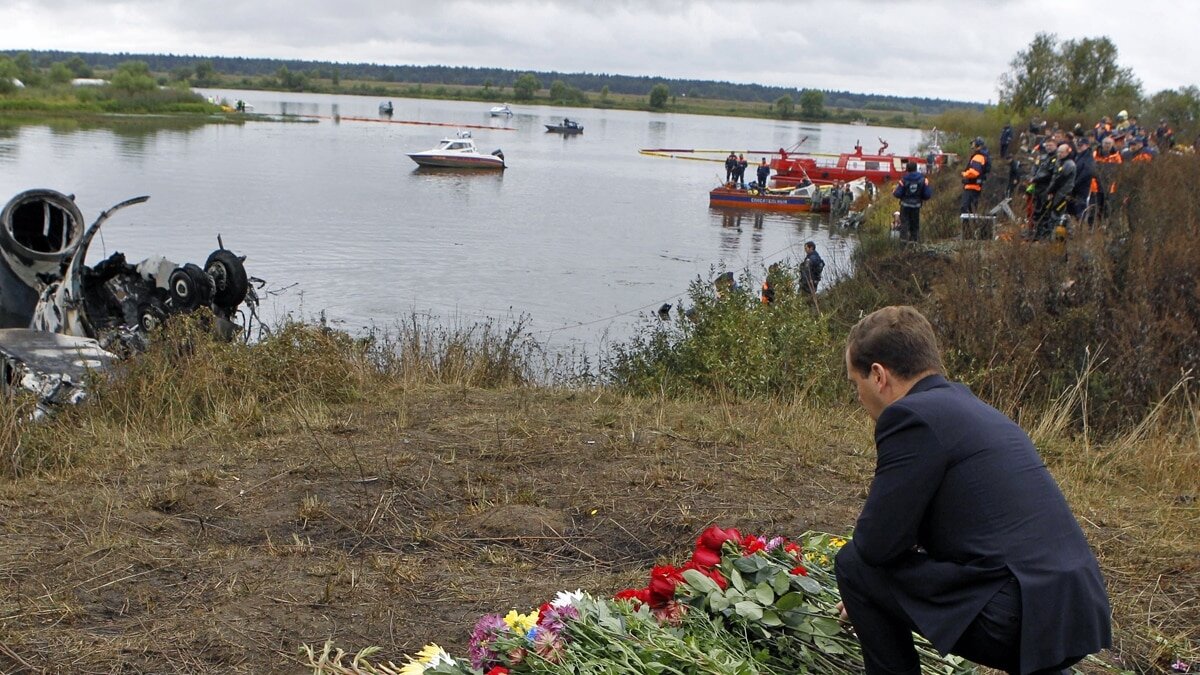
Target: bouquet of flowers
742, 605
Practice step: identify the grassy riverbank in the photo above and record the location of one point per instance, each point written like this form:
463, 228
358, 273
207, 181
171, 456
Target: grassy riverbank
219, 505
222, 505
215, 506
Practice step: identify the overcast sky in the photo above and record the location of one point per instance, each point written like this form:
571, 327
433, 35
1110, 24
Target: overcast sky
953, 49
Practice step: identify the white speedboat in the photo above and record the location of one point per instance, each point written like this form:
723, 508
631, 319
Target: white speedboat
501, 111
458, 153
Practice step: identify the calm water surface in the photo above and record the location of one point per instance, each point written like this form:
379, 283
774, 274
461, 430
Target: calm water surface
582, 234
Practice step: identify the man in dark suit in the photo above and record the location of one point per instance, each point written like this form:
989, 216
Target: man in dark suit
965, 537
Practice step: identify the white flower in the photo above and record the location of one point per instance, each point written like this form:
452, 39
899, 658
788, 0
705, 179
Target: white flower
564, 598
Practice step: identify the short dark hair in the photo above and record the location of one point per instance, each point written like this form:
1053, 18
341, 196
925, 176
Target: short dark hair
898, 337
809, 244
911, 166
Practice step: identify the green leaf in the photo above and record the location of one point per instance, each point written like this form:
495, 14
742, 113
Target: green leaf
748, 564
789, 601
749, 610
828, 646
764, 594
798, 622
699, 581
771, 618
827, 625
781, 582
735, 578
717, 601
807, 585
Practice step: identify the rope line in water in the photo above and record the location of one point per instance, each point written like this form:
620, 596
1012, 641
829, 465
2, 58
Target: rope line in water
346, 118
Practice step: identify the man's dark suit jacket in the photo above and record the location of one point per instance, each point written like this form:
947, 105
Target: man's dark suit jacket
964, 483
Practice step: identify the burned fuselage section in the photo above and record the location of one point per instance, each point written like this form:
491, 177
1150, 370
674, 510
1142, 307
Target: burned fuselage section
46, 286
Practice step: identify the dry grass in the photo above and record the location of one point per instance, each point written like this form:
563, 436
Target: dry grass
398, 516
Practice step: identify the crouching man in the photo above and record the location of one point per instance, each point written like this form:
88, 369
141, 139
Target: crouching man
965, 537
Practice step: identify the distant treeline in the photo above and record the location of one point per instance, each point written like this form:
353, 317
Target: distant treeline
498, 77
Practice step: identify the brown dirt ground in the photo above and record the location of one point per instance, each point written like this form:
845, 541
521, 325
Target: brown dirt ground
389, 525
395, 524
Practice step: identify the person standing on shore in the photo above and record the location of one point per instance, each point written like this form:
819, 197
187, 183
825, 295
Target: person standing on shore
913, 190
811, 268
965, 537
1006, 135
974, 176
1085, 171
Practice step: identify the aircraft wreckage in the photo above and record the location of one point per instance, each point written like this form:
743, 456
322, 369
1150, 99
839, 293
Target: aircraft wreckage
61, 319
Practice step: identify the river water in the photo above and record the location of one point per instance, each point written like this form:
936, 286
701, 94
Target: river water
582, 235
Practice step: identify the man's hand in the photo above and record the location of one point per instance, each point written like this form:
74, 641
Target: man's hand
842, 615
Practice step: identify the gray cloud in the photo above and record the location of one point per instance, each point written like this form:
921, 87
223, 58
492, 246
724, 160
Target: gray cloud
939, 48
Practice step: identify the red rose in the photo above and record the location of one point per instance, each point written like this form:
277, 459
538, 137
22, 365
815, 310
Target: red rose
792, 547
635, 595
663, 580
710, 572
752, 544
498, 670
705, 557
799, 570
714, 538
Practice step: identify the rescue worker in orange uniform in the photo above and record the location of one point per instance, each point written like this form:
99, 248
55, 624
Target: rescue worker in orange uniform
1139, 152
976, 173
1104, 182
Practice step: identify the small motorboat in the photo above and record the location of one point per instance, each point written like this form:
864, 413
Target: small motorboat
809, 198
386, 108
459, 153
501, 111
568, 126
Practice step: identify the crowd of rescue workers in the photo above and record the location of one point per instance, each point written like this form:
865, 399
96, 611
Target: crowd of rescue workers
1071, 177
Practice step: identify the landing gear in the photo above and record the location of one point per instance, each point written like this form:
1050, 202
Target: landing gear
229, 278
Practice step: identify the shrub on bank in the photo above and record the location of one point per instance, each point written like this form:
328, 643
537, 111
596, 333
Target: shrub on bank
733, 342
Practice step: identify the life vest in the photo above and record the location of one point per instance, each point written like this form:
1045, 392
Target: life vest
1113, 157
768, 292
977, 170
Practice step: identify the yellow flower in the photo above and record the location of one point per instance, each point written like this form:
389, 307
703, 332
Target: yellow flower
837, 542
413, 668
428, 656
521, 623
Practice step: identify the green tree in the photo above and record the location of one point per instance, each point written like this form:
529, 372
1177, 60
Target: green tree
61, 74
8, 73
24, 66
1033, 75
525, 87
182, 74
1089, 73
784, 105
812, 103
1178, 107
558, 91
335, 78
604, 93
79, 67
289, 80
206, 74
133, 77
659, 95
